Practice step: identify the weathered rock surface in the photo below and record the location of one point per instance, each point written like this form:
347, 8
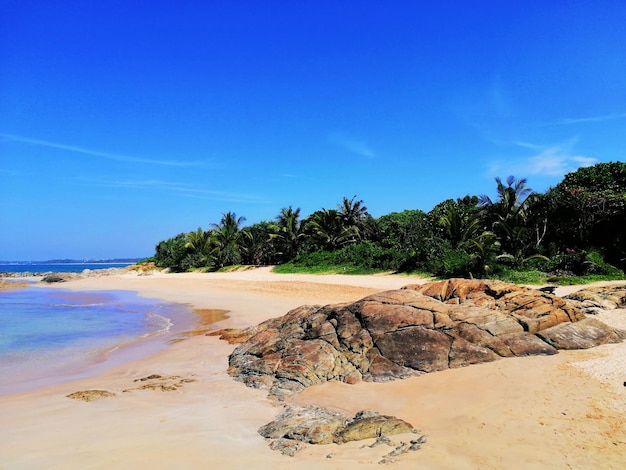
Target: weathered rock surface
408, 332
314, 425
594, 299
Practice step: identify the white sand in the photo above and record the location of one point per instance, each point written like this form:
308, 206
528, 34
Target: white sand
538, 412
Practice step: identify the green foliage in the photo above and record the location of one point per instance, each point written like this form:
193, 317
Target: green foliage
288, 234
587, 210
518, 276
327, 231
170, 253
574, 231
256, 245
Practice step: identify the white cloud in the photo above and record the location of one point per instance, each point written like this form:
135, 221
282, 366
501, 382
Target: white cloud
184, 189
600, 118
356, 146
96, 153
556, 160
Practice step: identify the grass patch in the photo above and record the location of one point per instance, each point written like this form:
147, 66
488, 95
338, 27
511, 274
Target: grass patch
290, 268
236, 267
533, 277
586, 279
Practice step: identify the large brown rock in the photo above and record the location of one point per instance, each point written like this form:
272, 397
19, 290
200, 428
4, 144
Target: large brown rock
407, 332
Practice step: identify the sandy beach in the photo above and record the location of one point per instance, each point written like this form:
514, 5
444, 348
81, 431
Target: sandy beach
551, 412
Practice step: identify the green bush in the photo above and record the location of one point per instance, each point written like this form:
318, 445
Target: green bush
453, 262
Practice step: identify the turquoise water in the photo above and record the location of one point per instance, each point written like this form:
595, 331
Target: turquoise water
46, 333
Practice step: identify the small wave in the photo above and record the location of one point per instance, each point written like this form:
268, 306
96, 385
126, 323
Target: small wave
102, 304
160, 323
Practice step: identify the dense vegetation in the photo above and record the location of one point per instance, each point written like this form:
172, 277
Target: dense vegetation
574, 229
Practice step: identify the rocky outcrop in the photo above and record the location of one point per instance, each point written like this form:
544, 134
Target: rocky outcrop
297, 426
592, 300
314, 425
408, 332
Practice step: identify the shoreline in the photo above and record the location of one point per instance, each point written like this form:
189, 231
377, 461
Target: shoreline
537, 412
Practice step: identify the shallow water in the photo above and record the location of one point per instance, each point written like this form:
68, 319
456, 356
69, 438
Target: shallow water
50, 333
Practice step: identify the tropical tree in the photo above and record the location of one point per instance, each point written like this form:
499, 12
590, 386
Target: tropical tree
519, 231
587, 211
172, 252
289, 233
255, 244
200, 244
226, 236
353, 213
327, 230
459, 220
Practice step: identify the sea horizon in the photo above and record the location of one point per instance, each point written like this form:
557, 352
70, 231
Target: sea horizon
61, 266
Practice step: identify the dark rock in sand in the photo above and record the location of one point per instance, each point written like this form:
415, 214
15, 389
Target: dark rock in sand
57, 277
408, 332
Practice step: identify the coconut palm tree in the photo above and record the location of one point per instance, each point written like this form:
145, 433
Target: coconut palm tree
226, 236
328, 231
289, 233
512, 220
200, 243
353, 213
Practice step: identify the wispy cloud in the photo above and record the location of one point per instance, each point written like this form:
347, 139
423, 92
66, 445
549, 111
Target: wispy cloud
97, 153
582, 120
183, 189
356, 146
554, 160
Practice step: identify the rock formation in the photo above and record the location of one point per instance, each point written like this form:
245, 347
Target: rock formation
314, 425
300, 425
408, 332
594, 299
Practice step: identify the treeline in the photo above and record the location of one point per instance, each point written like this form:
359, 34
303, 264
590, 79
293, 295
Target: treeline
575, 228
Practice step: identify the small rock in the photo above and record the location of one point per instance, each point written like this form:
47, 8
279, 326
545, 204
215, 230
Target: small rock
90, 395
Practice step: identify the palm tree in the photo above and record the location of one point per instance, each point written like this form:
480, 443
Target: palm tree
513, 199
201, 244
460, 223
328, 231
226, 238
289, 233
352, 213
511, 218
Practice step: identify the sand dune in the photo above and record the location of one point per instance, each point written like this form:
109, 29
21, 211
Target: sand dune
563, 411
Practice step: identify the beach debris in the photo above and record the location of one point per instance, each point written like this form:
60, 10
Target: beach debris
408, 332
90, 395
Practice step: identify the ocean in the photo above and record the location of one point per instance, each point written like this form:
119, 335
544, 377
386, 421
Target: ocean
23, 267
49, 335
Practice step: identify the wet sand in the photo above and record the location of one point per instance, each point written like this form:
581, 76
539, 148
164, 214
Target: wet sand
563, 411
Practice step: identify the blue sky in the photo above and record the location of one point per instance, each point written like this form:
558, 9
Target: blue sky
124, 123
